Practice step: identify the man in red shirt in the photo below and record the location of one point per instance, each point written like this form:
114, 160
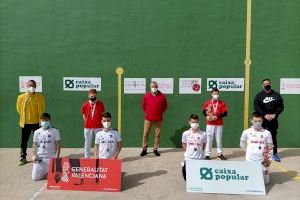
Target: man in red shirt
91, 113
214, 110
154, 105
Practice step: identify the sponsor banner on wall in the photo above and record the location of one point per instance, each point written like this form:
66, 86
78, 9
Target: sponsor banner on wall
226, 84
23, 83
230, 177
81, 83
165, 85
84, 174
189, 85
290, 86
134, 85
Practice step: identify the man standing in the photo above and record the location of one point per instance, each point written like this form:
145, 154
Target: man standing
154, 104
108, 141
30, 105
214, 110
46, 144
91, 110
269, 104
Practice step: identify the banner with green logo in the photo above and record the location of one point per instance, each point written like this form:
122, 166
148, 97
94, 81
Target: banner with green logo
230, 177
81, 83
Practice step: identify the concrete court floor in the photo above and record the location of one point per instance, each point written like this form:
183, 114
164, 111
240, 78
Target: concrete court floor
149, 177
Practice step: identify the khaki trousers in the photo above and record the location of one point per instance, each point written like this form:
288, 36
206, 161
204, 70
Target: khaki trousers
147, 130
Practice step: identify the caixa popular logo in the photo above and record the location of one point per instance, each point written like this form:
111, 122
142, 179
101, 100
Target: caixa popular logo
221, 174
225, 84
81, 83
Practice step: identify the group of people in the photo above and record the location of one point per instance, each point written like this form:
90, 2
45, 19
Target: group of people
259, 141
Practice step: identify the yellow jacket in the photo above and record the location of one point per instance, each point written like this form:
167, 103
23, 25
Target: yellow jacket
30, 108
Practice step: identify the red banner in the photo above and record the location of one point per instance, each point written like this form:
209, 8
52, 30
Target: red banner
84, 174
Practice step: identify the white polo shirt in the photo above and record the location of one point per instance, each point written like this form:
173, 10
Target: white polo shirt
107, 142
194, 144
46, 141
256, 143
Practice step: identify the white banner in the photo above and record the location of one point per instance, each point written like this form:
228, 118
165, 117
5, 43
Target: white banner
290, 86
165, 85
230, 177
81, 83
189, 85
23, 83
134, 85
226, 84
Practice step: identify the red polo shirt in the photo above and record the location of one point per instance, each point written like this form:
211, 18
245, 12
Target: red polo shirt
218, 107
93, 114
154, 106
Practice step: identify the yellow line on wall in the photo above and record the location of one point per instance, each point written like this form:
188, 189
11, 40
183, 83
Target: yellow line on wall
247, 63
119, 72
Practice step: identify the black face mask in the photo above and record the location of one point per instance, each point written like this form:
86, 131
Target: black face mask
267, 87
93, 98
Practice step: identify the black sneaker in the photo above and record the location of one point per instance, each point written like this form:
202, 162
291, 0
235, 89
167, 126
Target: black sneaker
144, 152
207, 158
22, 162
221, 157
156, 153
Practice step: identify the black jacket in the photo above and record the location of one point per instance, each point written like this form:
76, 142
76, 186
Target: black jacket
268, 103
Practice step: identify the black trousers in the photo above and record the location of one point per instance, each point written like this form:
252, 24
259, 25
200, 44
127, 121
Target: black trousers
272, 126
25, 135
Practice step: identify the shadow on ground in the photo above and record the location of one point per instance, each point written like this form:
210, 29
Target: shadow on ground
134, 180
280, 178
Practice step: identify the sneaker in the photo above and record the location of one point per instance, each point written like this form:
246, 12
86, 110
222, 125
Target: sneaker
276, 157
144, 152
156, 153
221, 157
22, 162
207, 158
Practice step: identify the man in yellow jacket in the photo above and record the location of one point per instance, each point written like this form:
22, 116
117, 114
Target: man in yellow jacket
30, 105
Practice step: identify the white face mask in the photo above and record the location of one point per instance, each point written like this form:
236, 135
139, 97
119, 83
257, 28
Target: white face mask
106, 124
31, 89
257, 125
194, 125
154, 90
215, 96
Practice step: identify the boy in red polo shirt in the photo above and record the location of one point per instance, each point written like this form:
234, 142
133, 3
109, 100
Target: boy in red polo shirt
91, 113
214, 110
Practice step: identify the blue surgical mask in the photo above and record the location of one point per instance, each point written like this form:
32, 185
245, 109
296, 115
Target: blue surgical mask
45, 124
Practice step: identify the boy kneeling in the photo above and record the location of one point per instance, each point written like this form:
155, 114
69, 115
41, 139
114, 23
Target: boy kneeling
258, 144
193, 142
46, 144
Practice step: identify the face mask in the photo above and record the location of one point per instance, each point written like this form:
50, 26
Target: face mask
106, 124
267, 87
31, 89
194, 125
215, 96
257, 125
154, 90
45, 124
93, 98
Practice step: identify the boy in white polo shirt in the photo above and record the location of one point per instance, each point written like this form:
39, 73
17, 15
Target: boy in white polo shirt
193, 142
258, 144
108, 141
46, 144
